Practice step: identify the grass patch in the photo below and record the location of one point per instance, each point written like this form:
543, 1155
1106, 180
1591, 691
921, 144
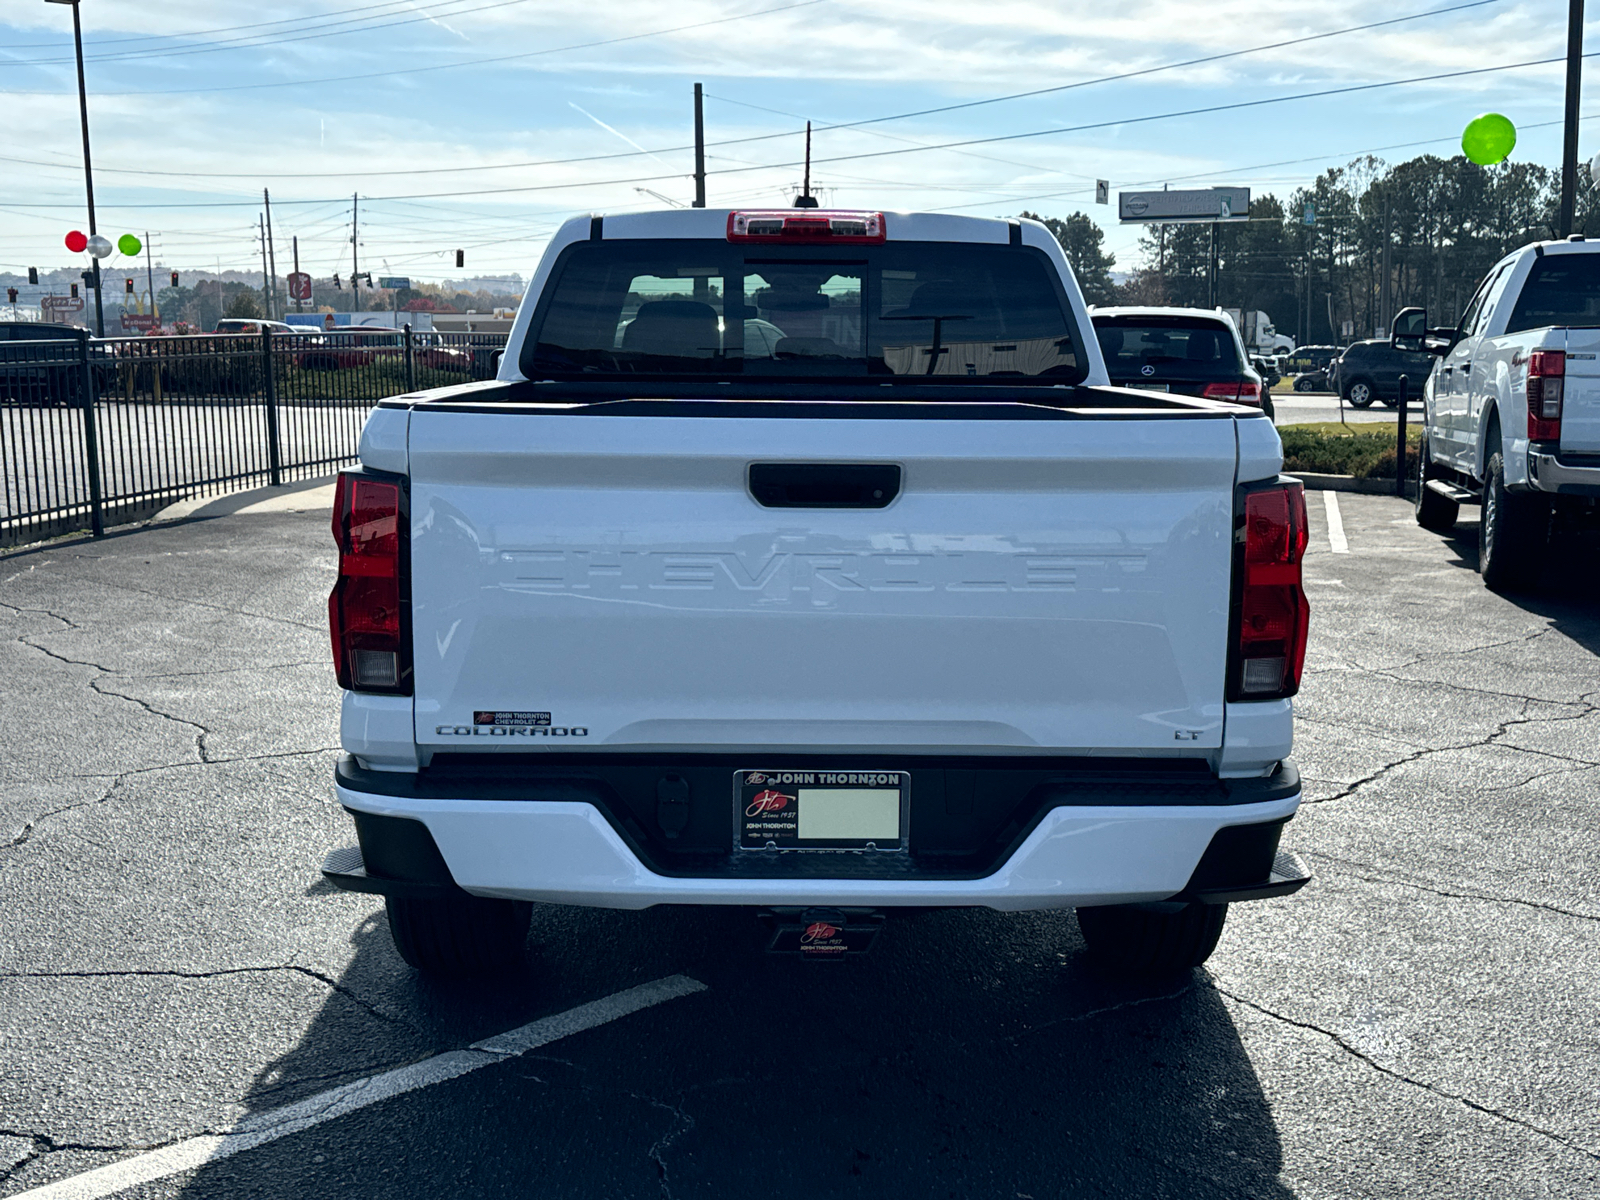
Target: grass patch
1329, 448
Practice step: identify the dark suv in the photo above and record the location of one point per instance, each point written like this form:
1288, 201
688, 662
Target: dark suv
1371, 370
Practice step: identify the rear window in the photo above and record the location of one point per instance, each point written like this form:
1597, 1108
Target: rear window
928, 312
1138, 347
1562, 290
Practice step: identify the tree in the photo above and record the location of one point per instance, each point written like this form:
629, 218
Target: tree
1081, 240
244, 305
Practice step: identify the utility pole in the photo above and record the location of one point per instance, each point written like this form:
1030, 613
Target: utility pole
1213, 272
272, 259
1569, 145
88, 173
699, 151
264, 277
1385, 310
149, 273
296, 241
355, 255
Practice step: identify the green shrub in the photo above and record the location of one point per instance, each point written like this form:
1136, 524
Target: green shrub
1364, 451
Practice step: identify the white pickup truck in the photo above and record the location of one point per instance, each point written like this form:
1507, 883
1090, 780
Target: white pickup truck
1512, 407
805, 561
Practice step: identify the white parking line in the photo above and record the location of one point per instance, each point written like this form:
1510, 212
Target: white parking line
340, 1101
1336, 542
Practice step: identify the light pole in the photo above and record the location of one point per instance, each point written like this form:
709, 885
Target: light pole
88, 174
1569, 143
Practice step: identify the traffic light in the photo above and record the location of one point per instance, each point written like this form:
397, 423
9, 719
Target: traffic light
461, 258
74, 291
127, 286
33, 275
174, 279
11, 295
336, 284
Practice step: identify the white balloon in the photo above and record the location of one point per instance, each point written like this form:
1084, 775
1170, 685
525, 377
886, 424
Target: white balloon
1594, 168
99, 246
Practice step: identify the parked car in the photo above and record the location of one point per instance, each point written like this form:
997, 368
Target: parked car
1309, 366
1511, 413
439, 357
40, 363
914, 611
1190, 351
1309, 358
252, 325
1371, 370
1266, 367
345, 346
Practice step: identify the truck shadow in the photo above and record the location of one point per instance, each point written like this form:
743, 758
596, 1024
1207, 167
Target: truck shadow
973, 1053
1567, 593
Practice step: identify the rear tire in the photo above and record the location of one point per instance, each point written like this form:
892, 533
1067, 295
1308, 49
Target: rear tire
1360, 393
1513, 534
1136, 941
459, 935
1434, 511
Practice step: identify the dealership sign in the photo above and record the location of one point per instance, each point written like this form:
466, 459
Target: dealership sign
1197, 205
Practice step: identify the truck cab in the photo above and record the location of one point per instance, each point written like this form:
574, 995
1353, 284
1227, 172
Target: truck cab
1512, 406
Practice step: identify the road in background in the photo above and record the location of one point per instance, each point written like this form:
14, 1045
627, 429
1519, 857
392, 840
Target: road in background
1303, 408
1419, 1021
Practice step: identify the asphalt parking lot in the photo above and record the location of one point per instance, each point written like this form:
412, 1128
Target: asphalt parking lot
187, 1011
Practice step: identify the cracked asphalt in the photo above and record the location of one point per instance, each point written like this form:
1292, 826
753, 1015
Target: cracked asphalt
1420, 1021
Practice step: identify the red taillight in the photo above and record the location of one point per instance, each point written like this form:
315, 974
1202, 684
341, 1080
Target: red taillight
1244, 392
1274, 617
369, 650
807, 225
1547, 371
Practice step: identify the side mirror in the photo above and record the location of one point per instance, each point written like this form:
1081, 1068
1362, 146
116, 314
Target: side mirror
1409, 330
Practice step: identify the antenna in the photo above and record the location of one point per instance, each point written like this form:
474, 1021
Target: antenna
805, 199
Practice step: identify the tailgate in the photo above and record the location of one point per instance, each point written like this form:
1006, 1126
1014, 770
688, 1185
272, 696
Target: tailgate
1057, 584
1580, 405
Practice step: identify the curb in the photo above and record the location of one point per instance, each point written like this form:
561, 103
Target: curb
1347, 483
302, 496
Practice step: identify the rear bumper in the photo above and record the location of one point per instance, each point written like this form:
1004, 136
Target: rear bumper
1549, 473
567, 852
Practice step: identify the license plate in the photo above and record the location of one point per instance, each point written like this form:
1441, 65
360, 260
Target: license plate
821, 810
1156, 387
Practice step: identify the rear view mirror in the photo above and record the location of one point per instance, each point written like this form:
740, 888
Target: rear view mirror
1409, 329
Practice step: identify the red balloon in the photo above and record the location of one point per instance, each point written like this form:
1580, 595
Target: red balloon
77, 242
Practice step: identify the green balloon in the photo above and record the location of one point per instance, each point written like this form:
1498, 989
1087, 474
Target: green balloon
1488, 139
129, 244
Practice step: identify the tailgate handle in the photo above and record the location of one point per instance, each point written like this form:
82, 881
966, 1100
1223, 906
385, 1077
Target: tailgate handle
824, 485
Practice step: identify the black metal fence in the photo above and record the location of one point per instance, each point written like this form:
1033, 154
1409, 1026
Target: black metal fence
97, 432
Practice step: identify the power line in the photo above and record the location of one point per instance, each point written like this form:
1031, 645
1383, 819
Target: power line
1146, 119
152, 37
754, 138
1192, 62
1287, 162
476, 62
358, 25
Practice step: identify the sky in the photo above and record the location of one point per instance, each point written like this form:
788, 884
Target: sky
481, 125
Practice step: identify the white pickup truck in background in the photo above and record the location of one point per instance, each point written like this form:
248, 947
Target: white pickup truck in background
805, 561
1512, 408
